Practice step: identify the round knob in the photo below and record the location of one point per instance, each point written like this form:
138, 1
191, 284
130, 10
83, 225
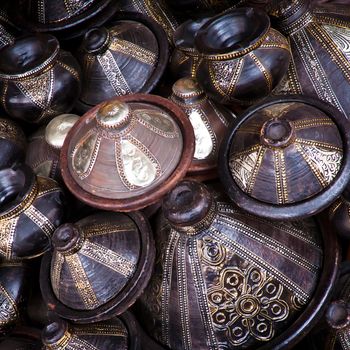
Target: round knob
96, 40
187, 204
55, 333
277, 133
113, 115
67, 239
187, 90
338, 314
58, 128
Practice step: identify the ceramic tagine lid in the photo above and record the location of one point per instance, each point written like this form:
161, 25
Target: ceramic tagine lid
210, 122
43, 152
126, 153
99, 266
286, 158
127, 56
228, 279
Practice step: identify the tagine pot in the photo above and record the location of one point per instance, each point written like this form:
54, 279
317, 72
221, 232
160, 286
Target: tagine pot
127, 56
44, 85
44, 146
65, 19
228, 279
319, 38
242, 58
98, 266
30, 210
210, 122
286, 158
127, 153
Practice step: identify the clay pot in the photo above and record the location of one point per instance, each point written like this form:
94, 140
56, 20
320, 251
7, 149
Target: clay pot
126, 153
210, 122
243, 58
30, 210
43, 152
127, 56
226, 277
43, 85
185, 58
319, 40
66, 19
286, 158
99, 266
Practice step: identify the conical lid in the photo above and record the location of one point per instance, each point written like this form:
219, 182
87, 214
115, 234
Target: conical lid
287, 158
125, 153
99, 266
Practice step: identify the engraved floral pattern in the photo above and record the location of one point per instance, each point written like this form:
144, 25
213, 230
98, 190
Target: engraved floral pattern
247, 303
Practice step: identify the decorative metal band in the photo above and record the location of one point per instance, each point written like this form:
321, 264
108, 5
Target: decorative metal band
202, 300
222, 118
35, 70
166, 285
79, 344
7, 232
135, 51
281, 176
56, 269
113, 74
297, 25
70, 69
227, 208
101, 329
183, 294
201, 225
344, 337
40, 220
314, 69
263, 70
8, 309
107, 228
237, 54
324, 145
108, 258
5, 37
75, 7
268, 242
41, 11
255, 259
312, 123
62, 343
81, 282
23, 205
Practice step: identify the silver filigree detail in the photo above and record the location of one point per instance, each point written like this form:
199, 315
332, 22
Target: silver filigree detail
341, 37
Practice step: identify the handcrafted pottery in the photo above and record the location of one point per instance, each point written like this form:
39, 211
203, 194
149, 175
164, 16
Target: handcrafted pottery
319, 38
210, 122
127, 56
185, 58
228, 279
12, 143
199, 7
99, 266
66, 19
119, 333
157, 10
30, 210
286, 158
128, 152
22, 338
37, 80
14, 292
43, 152
242, 58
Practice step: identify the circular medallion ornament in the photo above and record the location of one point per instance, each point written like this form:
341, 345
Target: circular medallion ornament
286, 158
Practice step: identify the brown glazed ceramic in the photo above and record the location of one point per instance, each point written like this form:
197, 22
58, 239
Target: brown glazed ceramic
227, 279
99, 266
38, 80
210, 122
14, 292
127, 56
185, 58
286, 158
122, 333
243, 58
157, 10
22, 338
30, 210
43, 152
127, 153
12, 143
65, 19
319, 39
